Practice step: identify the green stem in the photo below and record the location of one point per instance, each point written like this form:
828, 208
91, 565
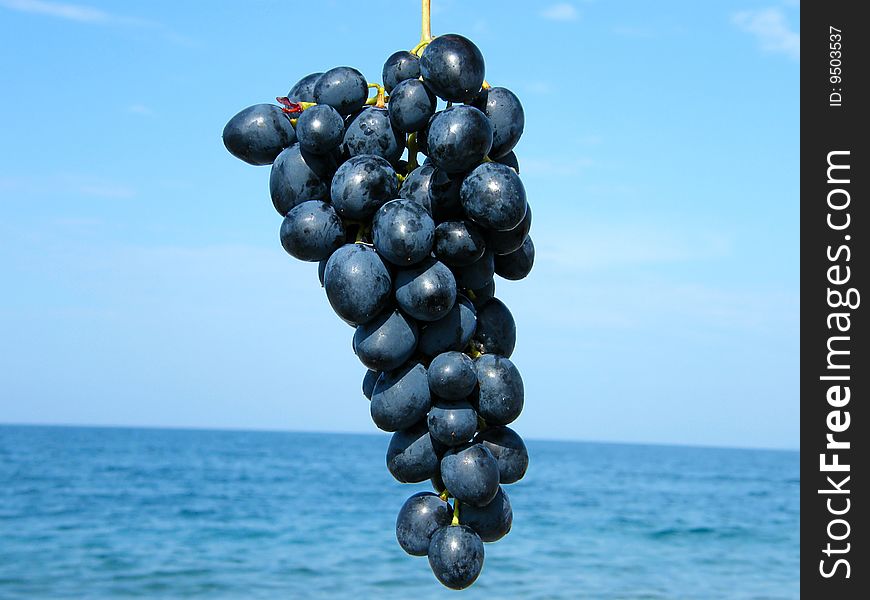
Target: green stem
455, 512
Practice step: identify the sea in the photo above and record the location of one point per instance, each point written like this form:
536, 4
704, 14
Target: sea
156, 513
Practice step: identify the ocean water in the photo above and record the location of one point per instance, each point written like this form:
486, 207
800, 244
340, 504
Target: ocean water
116, 513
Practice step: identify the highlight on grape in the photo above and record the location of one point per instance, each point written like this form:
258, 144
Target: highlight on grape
407, 255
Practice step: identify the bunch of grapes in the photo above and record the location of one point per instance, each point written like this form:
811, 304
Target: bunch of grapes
407, 255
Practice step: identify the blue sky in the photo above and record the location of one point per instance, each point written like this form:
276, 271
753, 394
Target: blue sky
143, 282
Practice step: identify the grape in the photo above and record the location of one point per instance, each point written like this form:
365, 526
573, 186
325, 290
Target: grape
482, 295
506, 116
491, 522
413, 456
452, 376
400, 66
362, 185
371, 132
403, 232
303, 90
422, 515
312, 231
478, 274
343, 88
459, 243
357, 283
493, 196
401, 397
505, 242
258, 134
517, 264
509, 451
459, 138
510, 159
453, 332
452, 423
387, 342
411, 106
407, 255
496, 331
416, 186
444, 196
456, 556
500, 393
292, 181
426, 291
368, 384
320, 129
453, 67
470, 472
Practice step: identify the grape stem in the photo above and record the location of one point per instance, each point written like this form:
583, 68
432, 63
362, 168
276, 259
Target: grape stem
426, 30
455, 520
444, 495
380, 99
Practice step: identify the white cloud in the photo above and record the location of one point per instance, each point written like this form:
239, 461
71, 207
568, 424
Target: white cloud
89, 15
560, 12
71, 12
771, 29
140, 109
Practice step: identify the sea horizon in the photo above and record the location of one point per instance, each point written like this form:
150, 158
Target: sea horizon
381, 434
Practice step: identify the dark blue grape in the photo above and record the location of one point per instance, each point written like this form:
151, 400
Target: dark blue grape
470, 473
421, 515
452, 375
357, 282
362, 185
437, 482
321, 270
403, 232
401, 398
368, 384
343, 88
453, 332
480, 296
510, 159
426, 291
459, 139
416, 186
386, 342
477, 274
312, 231
500, 391
371, 132
320, 129
444, 196
505, 113
505, 242
453, 67
292, 181
303, 91
258, 134
456, 556
452, 423
411, 106
518, 264
400, 66
493, 196
459, 243
509, 451
496, 331
491, 522
413, 456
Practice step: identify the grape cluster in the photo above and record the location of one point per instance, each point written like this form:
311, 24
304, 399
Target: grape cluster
407, 256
